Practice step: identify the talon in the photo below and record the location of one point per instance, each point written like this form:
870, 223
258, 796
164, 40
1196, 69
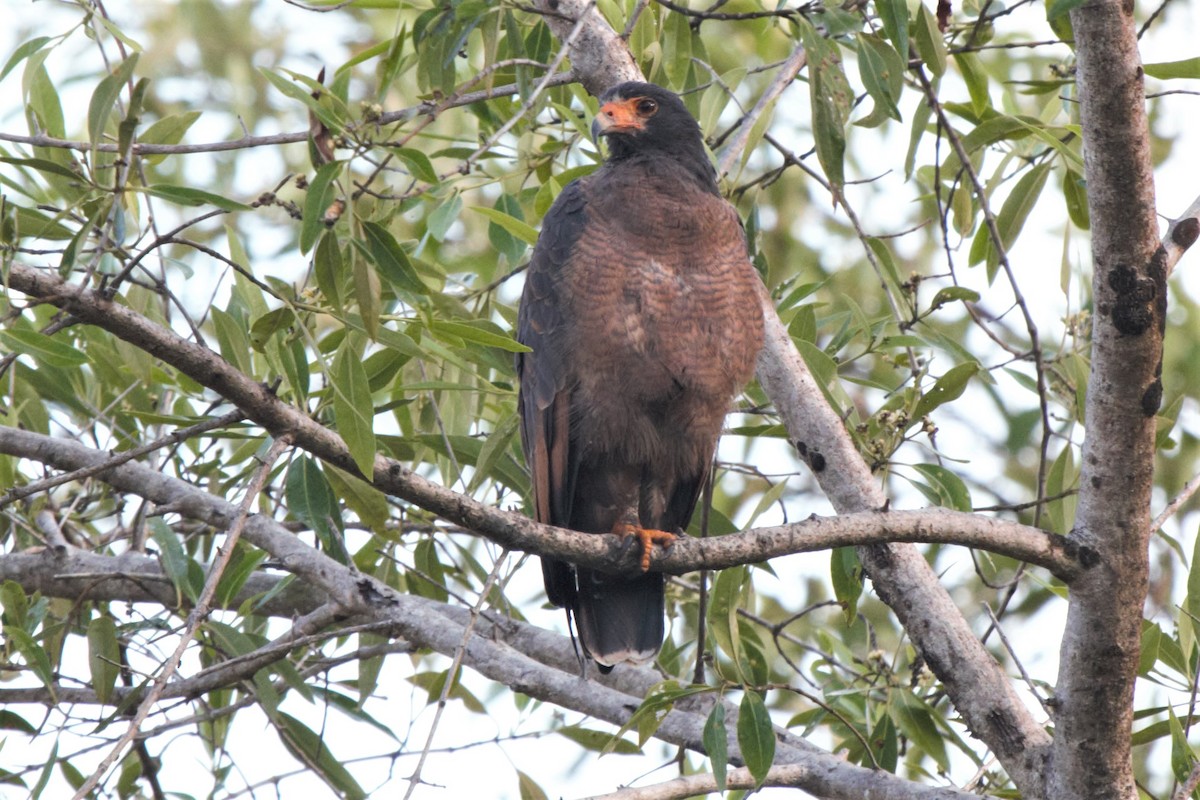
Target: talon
647, 536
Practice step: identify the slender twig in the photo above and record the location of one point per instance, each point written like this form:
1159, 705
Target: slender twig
195, 618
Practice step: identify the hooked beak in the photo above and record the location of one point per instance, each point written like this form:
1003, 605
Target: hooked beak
616, 116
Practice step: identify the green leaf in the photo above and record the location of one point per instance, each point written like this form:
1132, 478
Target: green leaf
170, 129
34, 654
894, 14
976, 79
23, 52
529, 788
47, 166
598, 741
716, 743
882, 72
951, 294
914, 719
315, 752
1075, 194
47, 771
1013, 213
1058, 8
311, 499
187, 196
756, 736
233, 339
517, 227
185, 573
948, 387
44, 348
288, 86
442, 217
104, 656
328, 269
418, 164
353, 410
105, 97
34, 224
930, 45
1188, 68
846, 574
365, 500
479, 331
950, 491
391, 260
317, 199
831, 97
722, 610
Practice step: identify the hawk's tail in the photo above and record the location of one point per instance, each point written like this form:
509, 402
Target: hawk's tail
619, 619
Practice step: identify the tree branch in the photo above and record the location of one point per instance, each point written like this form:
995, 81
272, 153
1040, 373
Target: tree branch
612, 554
527, 659
1101, 642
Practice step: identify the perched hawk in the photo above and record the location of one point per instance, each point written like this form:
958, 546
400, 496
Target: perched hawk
641, 309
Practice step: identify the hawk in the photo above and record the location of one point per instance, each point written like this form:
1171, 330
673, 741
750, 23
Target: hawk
641, 310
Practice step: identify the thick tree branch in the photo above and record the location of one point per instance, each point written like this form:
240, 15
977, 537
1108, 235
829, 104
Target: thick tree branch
1101, 642
610, 553
527, 659
135, 578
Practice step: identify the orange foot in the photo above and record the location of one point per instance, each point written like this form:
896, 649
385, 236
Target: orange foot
647, 536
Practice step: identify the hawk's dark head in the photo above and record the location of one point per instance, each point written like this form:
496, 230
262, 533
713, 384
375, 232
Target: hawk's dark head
641, 119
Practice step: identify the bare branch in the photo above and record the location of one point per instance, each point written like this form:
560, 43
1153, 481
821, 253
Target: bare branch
1098, 661
609, 553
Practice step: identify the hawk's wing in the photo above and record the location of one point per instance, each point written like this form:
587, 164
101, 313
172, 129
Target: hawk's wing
546, 376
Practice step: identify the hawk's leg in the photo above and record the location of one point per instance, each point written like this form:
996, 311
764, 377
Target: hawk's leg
647, 536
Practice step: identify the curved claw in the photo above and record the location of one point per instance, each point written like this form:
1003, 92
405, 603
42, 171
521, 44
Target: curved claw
647, 536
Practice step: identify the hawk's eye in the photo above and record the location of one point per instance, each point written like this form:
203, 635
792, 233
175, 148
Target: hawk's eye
646, 106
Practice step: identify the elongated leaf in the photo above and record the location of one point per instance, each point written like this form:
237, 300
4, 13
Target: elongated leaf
946, 388
518, 228
23, 52
36, 657
756, 737
846, 574
103, 656
528, 787
915, 721
42, 347
169, 130
45, 165
187, 196
976, 79
390, 259
830, 94
316, 201
1165, 70
1016, 209
716, 743
598, 741
480, 332
950, 490
311, 498
930, 44
315, 752
185, 574
328, 268
418, 164
353, 409
894, 14
442, 217
105, 97
882, 72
